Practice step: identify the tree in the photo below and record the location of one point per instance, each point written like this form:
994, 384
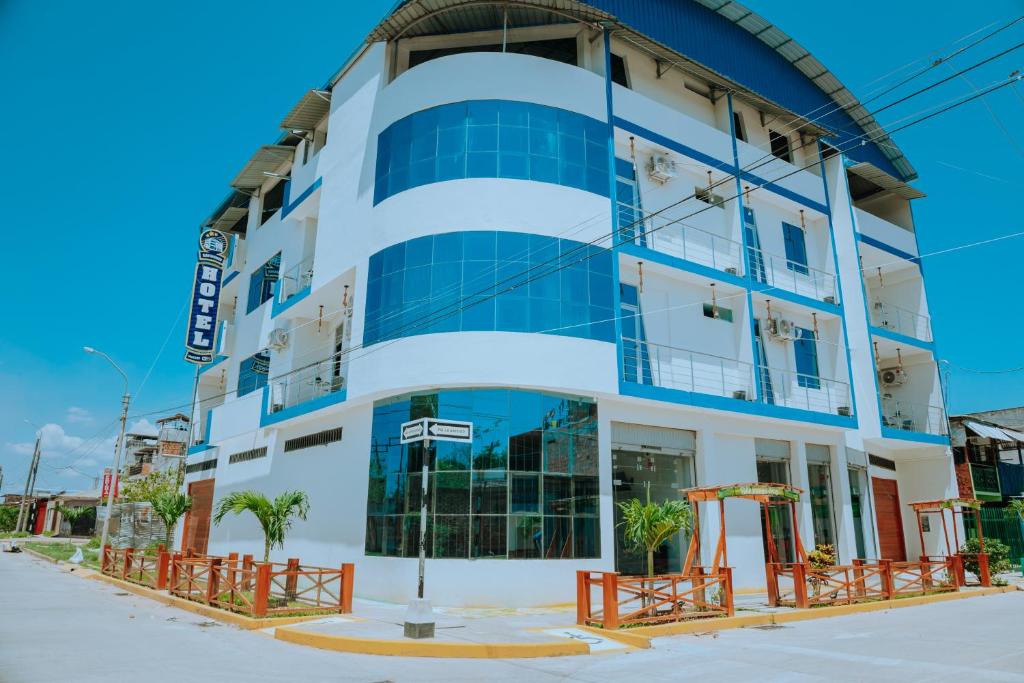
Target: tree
1016, 507
8, 517
275, 517
648, 526
72, 515
148, 488
169, 507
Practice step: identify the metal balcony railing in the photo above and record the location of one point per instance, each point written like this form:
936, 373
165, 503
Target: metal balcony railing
674, 368
779, 271
913, 417
225, 337
804, 392
985, 479
661, 233
901, 320
309, 382
295, 279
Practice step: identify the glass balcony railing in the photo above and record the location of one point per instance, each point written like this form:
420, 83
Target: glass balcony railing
779, 271
913, 417
307, 383
901, 320
674, 368
295, 279
804, 392
690, 243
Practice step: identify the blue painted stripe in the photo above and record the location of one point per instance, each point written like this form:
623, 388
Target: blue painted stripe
902, 338
887, 248
278, 308
231, 276
289, 205
268, 418
734, 405
795, 298
216, 361
904, 435
648, 254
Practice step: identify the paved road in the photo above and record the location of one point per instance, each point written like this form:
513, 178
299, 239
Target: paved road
59, 627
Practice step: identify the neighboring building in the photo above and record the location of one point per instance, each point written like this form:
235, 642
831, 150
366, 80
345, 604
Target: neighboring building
430, 237
85, 525
145, 453
988, 451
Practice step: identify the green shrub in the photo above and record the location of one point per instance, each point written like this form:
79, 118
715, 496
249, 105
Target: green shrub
997, 551
8, 518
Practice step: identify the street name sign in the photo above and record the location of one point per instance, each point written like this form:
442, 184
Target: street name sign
437, 430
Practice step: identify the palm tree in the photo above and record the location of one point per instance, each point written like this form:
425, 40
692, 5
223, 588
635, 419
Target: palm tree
72, 515
648, 526
169, 507
275, 517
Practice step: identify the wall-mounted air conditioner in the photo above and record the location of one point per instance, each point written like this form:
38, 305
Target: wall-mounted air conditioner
781, 329
278, 338
661, 168
892, 377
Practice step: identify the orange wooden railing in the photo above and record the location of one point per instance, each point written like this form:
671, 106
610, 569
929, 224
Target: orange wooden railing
628, 600
800, 585
984, 575
260, 589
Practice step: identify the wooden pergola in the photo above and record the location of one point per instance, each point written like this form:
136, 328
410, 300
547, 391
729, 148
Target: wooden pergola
766, 493
956, 506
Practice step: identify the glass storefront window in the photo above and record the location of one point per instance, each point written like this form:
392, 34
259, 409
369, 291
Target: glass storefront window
780, 516
527, 487
821, 503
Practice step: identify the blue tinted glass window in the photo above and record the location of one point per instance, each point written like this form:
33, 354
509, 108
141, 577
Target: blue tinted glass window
796, 248
516, 282
492, 139
252, 373
805, 348
262, 282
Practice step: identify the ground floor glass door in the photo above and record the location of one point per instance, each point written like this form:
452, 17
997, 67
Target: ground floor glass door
779, 516
634, 472
858, 502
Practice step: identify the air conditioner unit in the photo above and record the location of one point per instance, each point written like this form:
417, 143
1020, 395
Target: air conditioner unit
662, 168
892, 377
278, 338
781, 329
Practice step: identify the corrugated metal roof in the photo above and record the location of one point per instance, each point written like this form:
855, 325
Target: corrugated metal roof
230, 211
308, 112
267, 158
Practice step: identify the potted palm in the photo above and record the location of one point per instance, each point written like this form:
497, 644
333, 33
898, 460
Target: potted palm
275, 517
649, 525
169, 506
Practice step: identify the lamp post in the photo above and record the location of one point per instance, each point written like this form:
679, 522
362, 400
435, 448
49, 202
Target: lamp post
120, 444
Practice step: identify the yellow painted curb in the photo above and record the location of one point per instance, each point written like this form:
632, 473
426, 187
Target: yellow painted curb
627, 637
35, 553
420, 648
239, 620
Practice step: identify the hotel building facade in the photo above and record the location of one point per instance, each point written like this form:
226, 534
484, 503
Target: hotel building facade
640, 245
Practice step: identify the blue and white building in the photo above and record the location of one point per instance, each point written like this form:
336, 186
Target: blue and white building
640, 244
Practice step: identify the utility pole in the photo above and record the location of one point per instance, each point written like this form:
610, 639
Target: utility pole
30, 481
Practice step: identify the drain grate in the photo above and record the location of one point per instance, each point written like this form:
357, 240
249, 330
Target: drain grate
769, 627
122, 593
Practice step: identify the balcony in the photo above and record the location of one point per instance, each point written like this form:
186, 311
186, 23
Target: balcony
308, 383
901, 320
985, 479
1011, 479
225, 338
674, 368
913, 417
804, 392
704, 373
688, 242
778, 271
294, 280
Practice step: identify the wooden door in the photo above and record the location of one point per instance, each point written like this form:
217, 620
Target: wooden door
196, 536
890, 521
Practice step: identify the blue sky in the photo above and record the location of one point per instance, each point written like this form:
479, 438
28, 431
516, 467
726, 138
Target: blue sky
125, 122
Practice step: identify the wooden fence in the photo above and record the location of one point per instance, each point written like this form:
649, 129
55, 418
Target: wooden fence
257, 589
800, 585
608, 600
261, 589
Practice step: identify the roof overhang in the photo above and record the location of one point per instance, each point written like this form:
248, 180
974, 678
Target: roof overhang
884, 180
267, 159
991, 432
308, 112
228, 216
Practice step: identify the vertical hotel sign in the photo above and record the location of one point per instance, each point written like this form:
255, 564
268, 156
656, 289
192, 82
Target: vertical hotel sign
202, 322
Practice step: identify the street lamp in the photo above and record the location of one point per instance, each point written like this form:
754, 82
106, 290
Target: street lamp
118, 449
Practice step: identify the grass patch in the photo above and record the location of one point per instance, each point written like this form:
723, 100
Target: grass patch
15, 534
64, 551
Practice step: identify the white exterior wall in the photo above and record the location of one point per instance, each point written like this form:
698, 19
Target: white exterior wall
342, 229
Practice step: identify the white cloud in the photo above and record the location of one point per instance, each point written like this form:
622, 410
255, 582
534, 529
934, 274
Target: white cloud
54, 442
143, 426
79, 415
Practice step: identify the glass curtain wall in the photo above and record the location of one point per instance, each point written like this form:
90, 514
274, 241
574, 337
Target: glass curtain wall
526, 488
